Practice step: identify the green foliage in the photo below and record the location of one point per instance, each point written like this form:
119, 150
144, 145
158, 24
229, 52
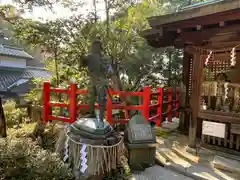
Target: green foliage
35, 95
21, 159
30, 4
46, 139
49, 137
66, 41
172, 69
24, 131
12, 114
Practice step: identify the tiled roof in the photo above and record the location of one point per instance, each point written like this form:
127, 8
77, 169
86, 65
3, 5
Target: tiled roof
200, 4
8, 48
12, 75
204, 3
10, 51
5, 41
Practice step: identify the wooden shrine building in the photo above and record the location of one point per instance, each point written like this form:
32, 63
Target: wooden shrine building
209, 34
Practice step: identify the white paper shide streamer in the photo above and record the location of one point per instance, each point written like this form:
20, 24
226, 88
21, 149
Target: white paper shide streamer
226, 90
208, 58
66, 150
83, 152
233, 57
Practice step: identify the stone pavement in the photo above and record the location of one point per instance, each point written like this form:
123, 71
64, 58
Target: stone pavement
173, 154
159, 173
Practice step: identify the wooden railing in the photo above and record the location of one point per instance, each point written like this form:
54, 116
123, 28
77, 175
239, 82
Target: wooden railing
146, 107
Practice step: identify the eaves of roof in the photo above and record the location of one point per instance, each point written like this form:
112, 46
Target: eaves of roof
8, 76
195, 11
14, 52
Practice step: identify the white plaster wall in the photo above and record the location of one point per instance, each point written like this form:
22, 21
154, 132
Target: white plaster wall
12, 62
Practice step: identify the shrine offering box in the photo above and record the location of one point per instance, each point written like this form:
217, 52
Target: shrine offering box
141, 142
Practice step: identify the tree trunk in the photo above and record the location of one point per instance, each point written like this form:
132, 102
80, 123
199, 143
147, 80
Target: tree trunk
95, 10
107, 16
3, 129
56, 67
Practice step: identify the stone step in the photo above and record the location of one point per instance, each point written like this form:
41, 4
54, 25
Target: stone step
174, 158
167, 155
176, 162
195, 171
226, 164
225, 174
169, 126
181, 152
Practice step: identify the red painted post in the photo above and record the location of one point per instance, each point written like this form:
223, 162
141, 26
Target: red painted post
160, 107
109, 109
46, 100
170, 105
177, 101
73, 102
146, 102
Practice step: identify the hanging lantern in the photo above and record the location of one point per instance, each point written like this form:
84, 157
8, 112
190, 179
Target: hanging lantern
233, 57
208, 58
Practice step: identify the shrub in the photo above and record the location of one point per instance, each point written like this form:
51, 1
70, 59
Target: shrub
25, 131
48, 135
21, 159
12, 114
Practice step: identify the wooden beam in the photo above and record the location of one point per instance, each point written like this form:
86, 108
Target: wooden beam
157, 44
197, 79
161, 41
199, 38
221, 45
203, 20
223, 117
196, 38
190, 49
150, 32
226, 37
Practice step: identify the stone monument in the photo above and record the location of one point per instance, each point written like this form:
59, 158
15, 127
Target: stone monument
141, 142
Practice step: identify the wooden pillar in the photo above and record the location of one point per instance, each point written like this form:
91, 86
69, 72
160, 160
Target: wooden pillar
3, 129
184, 93
197, 78
186, 68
